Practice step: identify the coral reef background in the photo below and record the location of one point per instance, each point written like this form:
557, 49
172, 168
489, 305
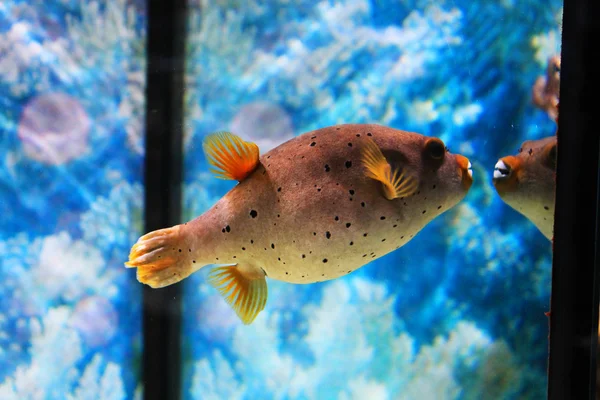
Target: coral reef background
72, 78
458, 313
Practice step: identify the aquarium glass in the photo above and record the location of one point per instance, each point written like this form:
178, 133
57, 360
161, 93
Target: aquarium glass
72, 81
459, 311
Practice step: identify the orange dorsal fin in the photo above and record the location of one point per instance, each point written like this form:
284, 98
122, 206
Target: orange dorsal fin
231, 157
245, 293
396, 183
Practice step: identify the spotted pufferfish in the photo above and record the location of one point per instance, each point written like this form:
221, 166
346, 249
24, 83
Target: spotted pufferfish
527, 182
315, 208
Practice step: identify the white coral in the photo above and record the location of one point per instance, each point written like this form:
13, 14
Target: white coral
355, 348
57, 345
104, 47
69, 269
117, 218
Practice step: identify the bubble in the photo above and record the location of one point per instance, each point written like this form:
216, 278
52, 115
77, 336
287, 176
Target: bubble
266, 124
54, 128
96, 319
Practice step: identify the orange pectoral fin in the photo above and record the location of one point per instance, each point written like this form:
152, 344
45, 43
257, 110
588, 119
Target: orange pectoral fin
396, 183
232, 157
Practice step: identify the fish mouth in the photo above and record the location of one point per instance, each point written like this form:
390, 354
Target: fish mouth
501, 170
505, 174
466, 169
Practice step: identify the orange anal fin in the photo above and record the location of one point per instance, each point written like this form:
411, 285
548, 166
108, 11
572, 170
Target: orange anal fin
396, 183
231, 157
245, 293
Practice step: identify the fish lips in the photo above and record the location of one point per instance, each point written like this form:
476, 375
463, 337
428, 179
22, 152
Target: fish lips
505, 175
466, 169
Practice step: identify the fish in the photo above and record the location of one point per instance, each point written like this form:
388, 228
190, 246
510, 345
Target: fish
315, 208
545, 92
527, 182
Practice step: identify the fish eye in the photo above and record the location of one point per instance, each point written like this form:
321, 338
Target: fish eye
556, 68
435, 148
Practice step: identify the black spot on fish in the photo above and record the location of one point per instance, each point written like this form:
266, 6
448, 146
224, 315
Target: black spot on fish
348, 164
189, 250
394, 226
351, 191
319, 189
351, 243
313, 137
278, 258
279, 189
337, 218
530, 151
234, 257
327, 169
314, 233
312, 144
303, 255
424, 211
328, 235
439, 207
287, 273
365, 234
324, 260
349, 144
253, 213
433, 187
227, 228
382, 218
223, 230
278, 215
194, 261
251, 241
272, 245
358, 135
369, 134
364, 255
362, 204
243, 248
348, 224
546, 208
383, 240
180, 250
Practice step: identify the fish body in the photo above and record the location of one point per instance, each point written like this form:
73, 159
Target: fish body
315, 208
527, 182
546, 90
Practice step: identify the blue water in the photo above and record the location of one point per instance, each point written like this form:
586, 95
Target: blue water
457, 313
71, 193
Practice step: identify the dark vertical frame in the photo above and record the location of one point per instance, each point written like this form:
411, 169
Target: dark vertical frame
574, 301
163, 178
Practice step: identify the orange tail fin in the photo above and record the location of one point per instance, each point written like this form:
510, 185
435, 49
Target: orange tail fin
159, 258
